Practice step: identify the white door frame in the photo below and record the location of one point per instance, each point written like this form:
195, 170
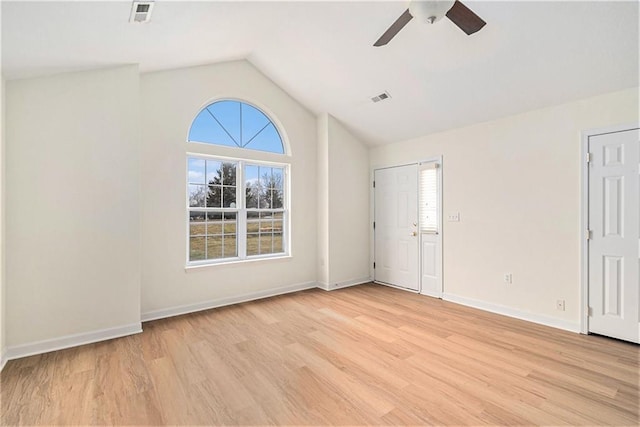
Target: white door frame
372, 252
584, 217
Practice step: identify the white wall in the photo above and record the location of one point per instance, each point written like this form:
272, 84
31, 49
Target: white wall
516, 183
2, 229
323, 200
72, 206
348, 220
343, 206
170, 101
2, 217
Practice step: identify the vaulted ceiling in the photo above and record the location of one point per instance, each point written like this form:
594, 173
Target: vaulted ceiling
529, 55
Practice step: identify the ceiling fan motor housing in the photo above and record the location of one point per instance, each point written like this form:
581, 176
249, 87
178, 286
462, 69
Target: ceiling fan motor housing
430, 11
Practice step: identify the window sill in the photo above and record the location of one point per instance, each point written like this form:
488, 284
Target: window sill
197, 267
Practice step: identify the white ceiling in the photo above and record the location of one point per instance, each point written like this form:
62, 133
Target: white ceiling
529, 55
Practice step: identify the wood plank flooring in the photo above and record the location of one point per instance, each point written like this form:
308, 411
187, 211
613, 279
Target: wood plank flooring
366, 355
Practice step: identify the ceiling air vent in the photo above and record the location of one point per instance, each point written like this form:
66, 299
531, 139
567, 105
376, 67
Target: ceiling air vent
381, 97
141, 11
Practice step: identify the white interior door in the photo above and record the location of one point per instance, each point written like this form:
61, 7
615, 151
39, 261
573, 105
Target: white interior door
396, 226
614, 247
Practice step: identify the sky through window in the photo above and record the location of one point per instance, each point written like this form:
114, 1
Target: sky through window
236, 124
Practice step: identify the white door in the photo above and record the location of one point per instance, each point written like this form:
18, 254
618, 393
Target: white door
430, 211
614, 221
396, 226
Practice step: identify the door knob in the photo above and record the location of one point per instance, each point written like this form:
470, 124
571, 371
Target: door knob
414, 234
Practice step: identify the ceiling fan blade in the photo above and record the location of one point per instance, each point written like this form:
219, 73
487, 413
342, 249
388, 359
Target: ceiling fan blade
464, 18
394, 29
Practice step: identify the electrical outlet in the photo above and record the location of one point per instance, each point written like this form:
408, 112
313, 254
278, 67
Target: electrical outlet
560, 304
508, 278
453, 217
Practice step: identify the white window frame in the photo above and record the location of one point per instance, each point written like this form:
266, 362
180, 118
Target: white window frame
241, 210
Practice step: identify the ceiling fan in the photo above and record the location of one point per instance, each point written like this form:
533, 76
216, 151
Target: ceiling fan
432, 11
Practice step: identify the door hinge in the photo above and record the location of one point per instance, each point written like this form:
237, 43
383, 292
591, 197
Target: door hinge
374, 184
589, 311
589, 234
588, 157
374, 225
374, 265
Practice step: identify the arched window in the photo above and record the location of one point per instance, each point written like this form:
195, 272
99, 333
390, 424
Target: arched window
236, 124
237, 208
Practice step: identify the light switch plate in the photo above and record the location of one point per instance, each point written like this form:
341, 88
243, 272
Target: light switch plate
453, 217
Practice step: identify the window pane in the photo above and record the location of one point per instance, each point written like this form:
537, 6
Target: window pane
206, 129
230, 247
228, 173
251, 173
214, 172
228, 114
195, 216
267, 140
197, 229
253, 121
196, 196
253, 226
214, 216
230, 223
265, 243
277, 201
214, 226
251, 195
266, 177
252, 186
196, 171
214, 196
265, 198
252, 244
214, 247
229, 197
277, 243
196, 248
278, 177
266, 226
277, 226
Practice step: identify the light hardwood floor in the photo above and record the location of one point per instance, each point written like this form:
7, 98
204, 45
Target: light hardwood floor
363, 355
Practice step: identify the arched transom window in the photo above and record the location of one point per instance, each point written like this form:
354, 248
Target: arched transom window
237, 207
236, 124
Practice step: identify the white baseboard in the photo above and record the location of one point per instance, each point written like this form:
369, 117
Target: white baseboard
345, 284
3, 358
67, 341
512, 312
221, 302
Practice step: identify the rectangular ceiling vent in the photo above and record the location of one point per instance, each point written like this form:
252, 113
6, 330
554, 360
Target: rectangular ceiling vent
141, 11
381, 97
